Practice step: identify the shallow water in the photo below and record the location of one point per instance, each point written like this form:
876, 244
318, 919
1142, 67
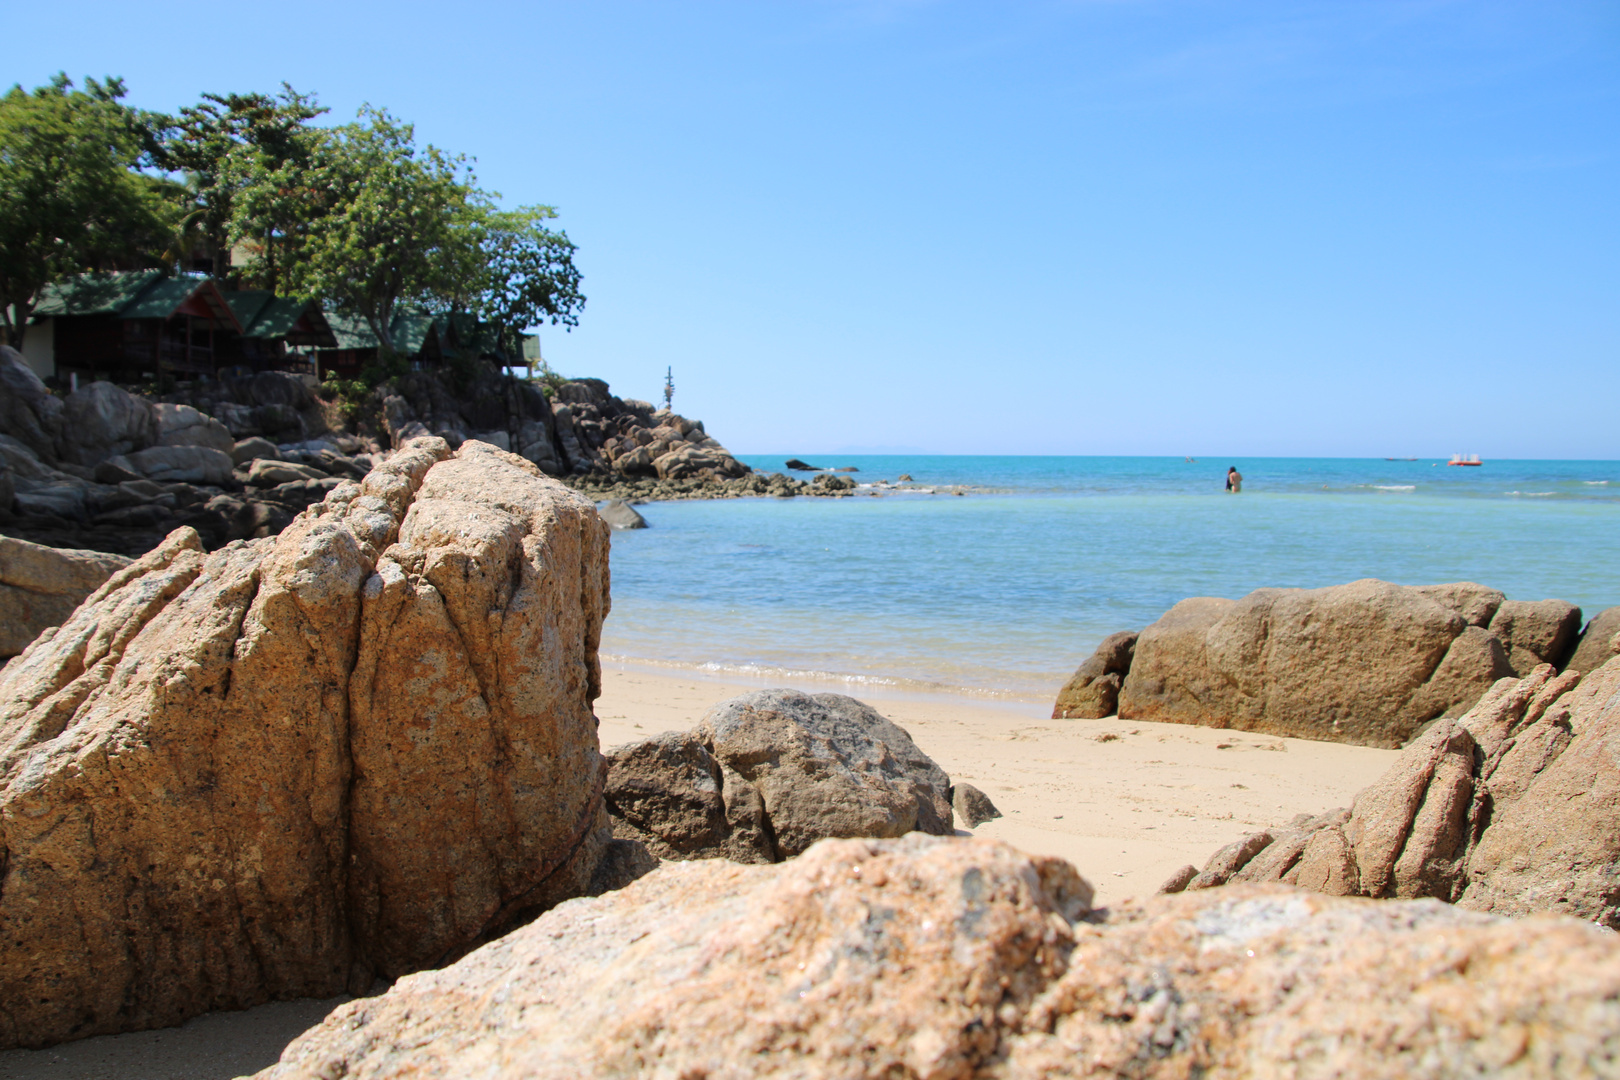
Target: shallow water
1006, 589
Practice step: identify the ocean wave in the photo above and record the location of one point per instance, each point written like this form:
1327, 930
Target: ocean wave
1594, 481
773, 675
1532, 494
1396, 487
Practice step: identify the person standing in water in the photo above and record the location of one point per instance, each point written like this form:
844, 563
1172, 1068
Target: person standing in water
1234, 481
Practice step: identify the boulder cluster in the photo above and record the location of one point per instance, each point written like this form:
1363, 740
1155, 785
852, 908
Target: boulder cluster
1513, 808
112, 471
1368, 663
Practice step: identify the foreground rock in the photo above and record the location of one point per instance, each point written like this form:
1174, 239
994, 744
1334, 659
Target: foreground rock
765, 775
295, 764
1599, 641
40, 587
1514, 808
1368, 663
965, 958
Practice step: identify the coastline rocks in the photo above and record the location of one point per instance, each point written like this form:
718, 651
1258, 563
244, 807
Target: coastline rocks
621, 515
1092, 692
966, 958
765, 775
182, 425
1367, 663
1598, 642
292, 765
189, 464
40, 587
1513, 808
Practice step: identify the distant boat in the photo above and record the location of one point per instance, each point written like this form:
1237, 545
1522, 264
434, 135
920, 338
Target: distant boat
1469, 459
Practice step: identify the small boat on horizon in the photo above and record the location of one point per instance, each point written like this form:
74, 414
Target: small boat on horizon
1461, 459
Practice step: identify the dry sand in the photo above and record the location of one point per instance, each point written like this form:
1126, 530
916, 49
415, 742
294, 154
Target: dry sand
1126, 802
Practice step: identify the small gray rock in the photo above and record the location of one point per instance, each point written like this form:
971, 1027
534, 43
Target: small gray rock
1178, 881
973, 806
621, 515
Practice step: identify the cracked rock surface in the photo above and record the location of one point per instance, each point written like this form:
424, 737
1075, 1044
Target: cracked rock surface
937, 957
297, 763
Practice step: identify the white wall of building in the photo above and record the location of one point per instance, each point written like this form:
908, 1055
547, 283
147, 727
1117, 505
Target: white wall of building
39, 347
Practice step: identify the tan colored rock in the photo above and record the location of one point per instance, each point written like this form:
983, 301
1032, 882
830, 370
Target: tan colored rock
282, 768
1365, 663
666, 794
1230, 859
926, 957
1513, 808
1475, 603
40, 586
1599, 641
1536, 632
1556, 846
972, 805
1092, 692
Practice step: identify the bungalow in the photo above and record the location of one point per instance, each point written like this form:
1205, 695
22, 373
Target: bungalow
133, 325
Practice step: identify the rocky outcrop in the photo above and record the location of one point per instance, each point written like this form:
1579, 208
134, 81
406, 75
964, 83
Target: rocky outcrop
40, 587
1368, 663
295, 764
1513, 808
923, 957
765, 775
1599, 641
1092, 691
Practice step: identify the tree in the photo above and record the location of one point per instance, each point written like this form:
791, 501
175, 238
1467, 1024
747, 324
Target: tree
381, 224
72, 197
528, 274
236, 146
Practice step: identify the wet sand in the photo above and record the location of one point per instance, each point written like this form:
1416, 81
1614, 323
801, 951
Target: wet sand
1126, 802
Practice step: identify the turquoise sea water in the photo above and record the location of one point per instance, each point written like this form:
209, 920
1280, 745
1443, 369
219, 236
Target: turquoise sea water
1006, 589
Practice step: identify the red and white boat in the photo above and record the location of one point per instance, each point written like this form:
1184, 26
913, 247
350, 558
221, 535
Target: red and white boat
1465, 459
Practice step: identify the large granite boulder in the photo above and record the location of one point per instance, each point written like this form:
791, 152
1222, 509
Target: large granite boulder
40, 586
1598, 642
765, 775
1367, 663
295, 764
924, 957
1092, 692
102, 421
29, 412
182, 425
1513, 808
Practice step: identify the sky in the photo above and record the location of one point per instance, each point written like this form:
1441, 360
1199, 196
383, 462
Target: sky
1223, 228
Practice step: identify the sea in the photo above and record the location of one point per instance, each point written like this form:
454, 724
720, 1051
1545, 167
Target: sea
996, 576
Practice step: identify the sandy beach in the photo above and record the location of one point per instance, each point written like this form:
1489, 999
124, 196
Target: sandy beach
1125, 802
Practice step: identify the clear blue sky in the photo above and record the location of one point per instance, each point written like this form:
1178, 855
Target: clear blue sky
1210, 228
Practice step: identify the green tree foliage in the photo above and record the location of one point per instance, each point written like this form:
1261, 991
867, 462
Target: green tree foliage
72, 196
528, 275
238, 153
381, 224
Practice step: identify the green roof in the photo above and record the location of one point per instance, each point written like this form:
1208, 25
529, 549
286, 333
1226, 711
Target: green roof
410, 331
159, 301
94, 294
277, 318
248, 304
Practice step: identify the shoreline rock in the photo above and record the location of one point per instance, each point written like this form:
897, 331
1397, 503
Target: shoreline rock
1367, 663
